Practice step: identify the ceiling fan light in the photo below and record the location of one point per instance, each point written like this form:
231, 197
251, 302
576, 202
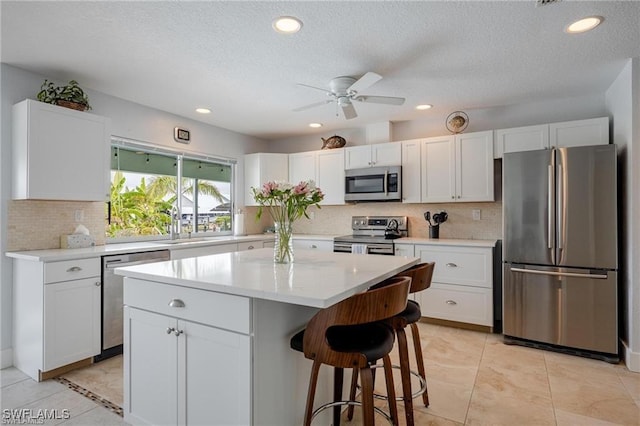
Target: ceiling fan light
423, 107
585, 24
287, 25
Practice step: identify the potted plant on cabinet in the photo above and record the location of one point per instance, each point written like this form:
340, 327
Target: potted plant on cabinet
68, 96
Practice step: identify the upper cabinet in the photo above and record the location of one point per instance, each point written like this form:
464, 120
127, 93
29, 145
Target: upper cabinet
578, 133
59, 153
411, 171
260, 168
377, 155
457, 168
566, 134
325, 167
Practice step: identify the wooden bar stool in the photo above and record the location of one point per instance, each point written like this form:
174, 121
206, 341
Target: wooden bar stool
420, 275
353, 334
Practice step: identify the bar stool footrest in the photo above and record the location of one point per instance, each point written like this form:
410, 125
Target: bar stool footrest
423, 385
355, 403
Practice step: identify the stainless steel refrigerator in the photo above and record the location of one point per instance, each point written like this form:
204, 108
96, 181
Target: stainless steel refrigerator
560, 249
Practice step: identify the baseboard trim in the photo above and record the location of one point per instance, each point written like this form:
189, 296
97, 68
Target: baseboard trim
6, 358
631, 358
456, 324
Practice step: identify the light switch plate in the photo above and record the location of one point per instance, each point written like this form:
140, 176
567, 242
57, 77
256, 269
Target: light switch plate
476, 214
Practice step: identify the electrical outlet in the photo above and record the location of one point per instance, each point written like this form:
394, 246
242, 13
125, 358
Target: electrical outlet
79, 215
476, 214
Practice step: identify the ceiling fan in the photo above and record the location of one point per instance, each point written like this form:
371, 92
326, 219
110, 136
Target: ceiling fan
344, 90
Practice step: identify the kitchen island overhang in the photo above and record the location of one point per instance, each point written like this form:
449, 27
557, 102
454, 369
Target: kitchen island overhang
243, 295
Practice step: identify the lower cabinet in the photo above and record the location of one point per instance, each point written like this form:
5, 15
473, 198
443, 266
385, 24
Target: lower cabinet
56, 314
187, 356
71, 321
462, 284
321, 245
171, 377
183, 253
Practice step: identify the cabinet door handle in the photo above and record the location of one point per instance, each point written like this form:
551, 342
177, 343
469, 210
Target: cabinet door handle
176, 303
97, 283
314, 246
170, 330
178, 332
451, 302
74, 269
250, 248
451, 265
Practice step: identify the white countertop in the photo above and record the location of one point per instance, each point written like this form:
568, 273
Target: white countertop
447, 242
54, 255
316, 279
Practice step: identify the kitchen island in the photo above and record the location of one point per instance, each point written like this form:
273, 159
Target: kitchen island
207, 338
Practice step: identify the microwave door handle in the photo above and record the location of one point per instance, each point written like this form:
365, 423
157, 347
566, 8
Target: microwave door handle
386, 176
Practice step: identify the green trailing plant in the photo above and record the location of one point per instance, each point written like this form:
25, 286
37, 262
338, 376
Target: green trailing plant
71, 92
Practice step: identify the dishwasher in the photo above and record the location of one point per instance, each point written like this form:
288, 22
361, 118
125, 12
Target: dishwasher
113, 298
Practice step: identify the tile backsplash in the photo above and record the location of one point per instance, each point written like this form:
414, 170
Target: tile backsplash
336, 220
38, 224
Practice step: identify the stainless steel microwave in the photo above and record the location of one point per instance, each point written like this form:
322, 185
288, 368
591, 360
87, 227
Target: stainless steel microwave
373, 184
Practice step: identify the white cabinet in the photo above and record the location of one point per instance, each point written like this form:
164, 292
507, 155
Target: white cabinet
527, 138
404, 250
580, 132
462, 285
170, 377
565, 134
59, 153
411, 171
325, 168
320, 245
260, 168
57, 319
377, 155
458, 168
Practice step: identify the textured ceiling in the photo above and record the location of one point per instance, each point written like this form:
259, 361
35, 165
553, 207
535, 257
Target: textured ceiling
176, 56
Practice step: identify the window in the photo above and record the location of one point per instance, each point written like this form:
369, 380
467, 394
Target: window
145, 186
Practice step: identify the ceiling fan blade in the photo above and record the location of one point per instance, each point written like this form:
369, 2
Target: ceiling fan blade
364, 82
317, 88
380, 100
315, 104
349, 111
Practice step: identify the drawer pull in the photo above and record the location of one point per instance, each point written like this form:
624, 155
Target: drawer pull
170, 330
314, 246
97, 283
451, 302
74, 269
176, 303
178, 332
250, 248
451, 265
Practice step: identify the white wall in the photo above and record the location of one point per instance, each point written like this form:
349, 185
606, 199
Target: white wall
622, 102
129, 120
564, 109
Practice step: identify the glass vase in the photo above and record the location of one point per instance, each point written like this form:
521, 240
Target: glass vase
283, 248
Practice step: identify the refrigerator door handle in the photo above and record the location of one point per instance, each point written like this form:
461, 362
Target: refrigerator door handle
561, 274
550, 206
560, 206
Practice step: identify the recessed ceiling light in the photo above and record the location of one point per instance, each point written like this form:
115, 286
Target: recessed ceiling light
424, 106
315, 125
203, 110
584, 24
287, 25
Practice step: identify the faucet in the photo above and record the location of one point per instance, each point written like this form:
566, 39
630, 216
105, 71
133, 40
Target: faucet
174, 228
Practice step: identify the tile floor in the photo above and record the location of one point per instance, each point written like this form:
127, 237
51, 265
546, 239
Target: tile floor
473, 378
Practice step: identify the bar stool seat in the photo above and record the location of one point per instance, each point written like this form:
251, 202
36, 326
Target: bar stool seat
353, 334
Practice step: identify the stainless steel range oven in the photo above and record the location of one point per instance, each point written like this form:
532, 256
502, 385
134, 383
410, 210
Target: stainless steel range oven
372, 235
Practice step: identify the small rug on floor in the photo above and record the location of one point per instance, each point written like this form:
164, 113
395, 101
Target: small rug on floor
92, 396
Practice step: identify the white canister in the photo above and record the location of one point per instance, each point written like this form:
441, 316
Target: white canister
238, 224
